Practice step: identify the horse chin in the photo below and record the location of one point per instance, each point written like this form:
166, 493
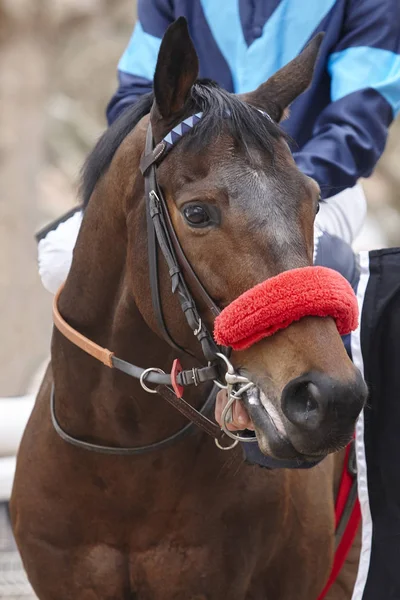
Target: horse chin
269, 428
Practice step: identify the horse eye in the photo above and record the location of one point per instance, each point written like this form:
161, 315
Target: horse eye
318, 205
196, 215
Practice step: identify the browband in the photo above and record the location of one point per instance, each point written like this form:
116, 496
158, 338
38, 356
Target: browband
176, 134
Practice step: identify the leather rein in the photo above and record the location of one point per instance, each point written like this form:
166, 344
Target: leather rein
161, 234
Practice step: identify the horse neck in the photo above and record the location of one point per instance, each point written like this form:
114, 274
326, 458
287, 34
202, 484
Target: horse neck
93, 401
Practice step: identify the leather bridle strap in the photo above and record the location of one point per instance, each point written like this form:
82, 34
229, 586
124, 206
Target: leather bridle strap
150, 159
184, 378
161, 227
160, 234
195, 376
152, 252
135, 450
191, 413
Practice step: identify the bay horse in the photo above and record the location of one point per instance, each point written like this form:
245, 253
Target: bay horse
185, 521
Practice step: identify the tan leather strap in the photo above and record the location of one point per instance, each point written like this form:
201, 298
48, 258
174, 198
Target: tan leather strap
101, 354
194, 376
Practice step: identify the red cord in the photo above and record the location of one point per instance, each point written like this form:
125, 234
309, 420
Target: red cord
352, 526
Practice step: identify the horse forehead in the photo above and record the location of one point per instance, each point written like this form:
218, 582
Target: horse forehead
253, 177
246, 177
261, 190
268, 205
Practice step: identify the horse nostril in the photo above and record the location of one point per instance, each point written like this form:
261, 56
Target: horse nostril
303, 403
311, 396
321, 411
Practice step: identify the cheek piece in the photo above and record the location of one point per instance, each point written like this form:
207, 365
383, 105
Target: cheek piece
284, 299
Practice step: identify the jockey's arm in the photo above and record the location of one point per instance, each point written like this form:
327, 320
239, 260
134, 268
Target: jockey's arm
350, 134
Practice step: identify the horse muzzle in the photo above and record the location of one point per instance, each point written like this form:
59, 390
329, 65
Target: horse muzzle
314, 416
314, 413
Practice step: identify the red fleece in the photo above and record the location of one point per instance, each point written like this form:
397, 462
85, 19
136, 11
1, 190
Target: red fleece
287, 297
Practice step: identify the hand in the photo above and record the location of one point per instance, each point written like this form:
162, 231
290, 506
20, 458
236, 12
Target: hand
240, 416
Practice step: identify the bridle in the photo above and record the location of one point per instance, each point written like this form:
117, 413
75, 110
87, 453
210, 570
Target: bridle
161, 234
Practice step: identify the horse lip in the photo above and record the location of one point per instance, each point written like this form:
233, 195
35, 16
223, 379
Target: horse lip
270, 439
271, 435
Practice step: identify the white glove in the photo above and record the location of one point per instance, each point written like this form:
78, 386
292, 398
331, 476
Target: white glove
343, 215
55, 252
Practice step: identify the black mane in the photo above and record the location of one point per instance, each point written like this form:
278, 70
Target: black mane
221, 111
102, 154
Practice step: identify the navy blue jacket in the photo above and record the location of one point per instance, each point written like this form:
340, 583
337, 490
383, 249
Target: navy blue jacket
340, 124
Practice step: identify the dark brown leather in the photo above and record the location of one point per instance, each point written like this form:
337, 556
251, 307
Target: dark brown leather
124, 451
160, 234
190, 413
149, 159
150, 183
191, 277
151, 156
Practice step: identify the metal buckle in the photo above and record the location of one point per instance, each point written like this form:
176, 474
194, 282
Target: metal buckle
199, 327
195, 377
143, 375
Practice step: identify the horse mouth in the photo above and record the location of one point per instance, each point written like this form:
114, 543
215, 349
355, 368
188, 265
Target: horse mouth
269, 427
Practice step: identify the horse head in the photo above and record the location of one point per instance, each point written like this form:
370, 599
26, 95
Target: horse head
244, 213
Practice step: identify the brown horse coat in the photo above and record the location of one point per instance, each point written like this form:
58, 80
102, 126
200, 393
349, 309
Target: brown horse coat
191, 522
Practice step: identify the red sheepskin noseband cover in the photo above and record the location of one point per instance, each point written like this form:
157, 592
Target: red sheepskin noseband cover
283, 299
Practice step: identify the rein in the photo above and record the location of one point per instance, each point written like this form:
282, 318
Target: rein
176, 379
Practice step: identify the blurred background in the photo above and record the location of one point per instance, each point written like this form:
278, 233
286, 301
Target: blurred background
58, 61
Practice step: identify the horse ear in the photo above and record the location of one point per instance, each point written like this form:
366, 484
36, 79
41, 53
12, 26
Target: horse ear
279, 91
177, 69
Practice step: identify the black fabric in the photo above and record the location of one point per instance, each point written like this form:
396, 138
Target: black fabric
380, 342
